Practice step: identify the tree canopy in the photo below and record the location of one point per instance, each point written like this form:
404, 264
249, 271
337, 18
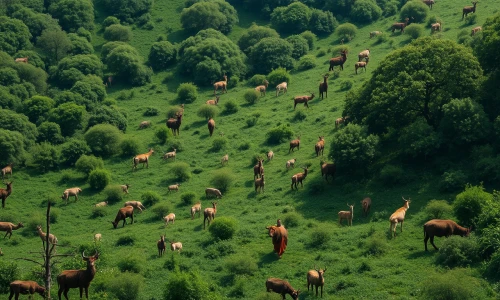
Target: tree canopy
73, 14
14, 35
271, 53
253, 35
216, 14
128, 10
293, 18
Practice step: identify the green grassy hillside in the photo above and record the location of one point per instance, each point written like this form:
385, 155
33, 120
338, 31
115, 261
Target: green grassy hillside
362, 261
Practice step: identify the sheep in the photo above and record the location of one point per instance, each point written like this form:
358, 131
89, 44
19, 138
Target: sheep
77, 278
366, 205
169, 218
315, 278
258, 169
25, 288
320, 146
209, 213
399, 217
262, 88
281, 87
5, 193
429, 3
469, 9
125, 188
302, 99
290, 163
142, 158
281, 287
213, 191
7, 170
221, 84
211, 126
475, 30
213, 102
171, 154
294, 144
175, 123
196, 209
22, 59
176, 246
338, 61
97, 237
71, 192
224, 159
327, 169
435, 27
101, 204
161, 245
123, 214
400, 26
363, 54
360, 64
135, 204
323, 87
174, 187
375, 33
144, 124
298, 178
8, 227
347, 215
270, 155
259, 183
443, 228
43, 236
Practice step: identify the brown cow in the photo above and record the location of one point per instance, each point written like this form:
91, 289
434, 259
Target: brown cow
441, 228
281, 287
123, 214
279, 236
25, 288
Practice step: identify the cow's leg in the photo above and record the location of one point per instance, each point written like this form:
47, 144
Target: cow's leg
66, 293
81, 292
316, 291
426, 238
432, 243
87, 292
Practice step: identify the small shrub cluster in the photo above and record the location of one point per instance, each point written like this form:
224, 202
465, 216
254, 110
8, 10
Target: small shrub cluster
279, 134
219, 143
376, 247
391, 175
180, 171
160, 210
126, 286
256, 80
346, 85
319, 238
230, 107
150, 112
453, 284
150, 198
452, 181
99, 179
306, 62
129, 147
468, 205
114, 194
458, 252
208, 111
222, 179
125, 240
435, 209
242, 266
223, 228
278, 76
414, 30
188, 198
291, 220
98, 212
131, 263
251, 96
187, 93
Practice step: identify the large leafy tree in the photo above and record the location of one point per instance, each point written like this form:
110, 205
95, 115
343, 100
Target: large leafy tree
292, 18
415, 81
128, 10
13, 121
55, 43
73, 68
124, 61
216, 14
36, 22
12, 149
73, 14
69, 116
253, 35
271, 53
14, 35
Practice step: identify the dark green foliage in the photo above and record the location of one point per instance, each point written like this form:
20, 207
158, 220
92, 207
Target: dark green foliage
376, 246
99, 179
36, 22
486, 49
107, 115
253, 35
150, 198
469, 204
182, 285
110, 20
419, 139
215, 14
37, 108
277, 76
271, 53
126, 62
8, 76
306, 62
8, 273
108, 47
79, 45
133, 264
10, 120
82, 32
207, 111
365, 11
117, 32
127, 286
436, 209
128, 10
319, 238
230, 107
98, 212
45, 156
457, 251
72, 150
88, 163
151, 111
293, 18
310, 37
299, 44
391, 175
251, 96
55, 42
114, 194
299, 116
322, 22
346, 85
453, 181
452, 285
207, 70
346, 31
54, 214
129, 147
416, 10
50, 132
103, 139
162, 55
91, 89
471, 19
69, 116
493, 267
125, 241
14, 35
160, 210
279, 134
180, 171
291, 220
241, 266
187, 93
7, 100
353, 148
74, 68
223, 228
256, 80
222, 180
219, 249
219, 143
188, 198
162, 134
73, 14
414, 30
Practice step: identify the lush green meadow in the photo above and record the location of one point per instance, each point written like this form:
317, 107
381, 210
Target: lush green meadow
362, 261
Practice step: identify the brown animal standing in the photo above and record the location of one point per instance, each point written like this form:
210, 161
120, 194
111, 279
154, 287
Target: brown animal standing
475, 30
469, 9
363, 54
281, 287
123, 214
441, 228
213, 102
5, 193
8, 227
279, 236
211, 126
25, 288
327, 169
338, 61
347, 215
400, 26
196, 209
429, 3
144, 124
70, 279
361, 64
221, 84
323, 87
258, 169
262, 88
399, 217
302, 99
340, 121
316, 279
7, 170
366, 205
435, 27
320, 146
175, 123
298, 178
161, 245
142, 159
209, 214
259, 184
110, 80
294, 144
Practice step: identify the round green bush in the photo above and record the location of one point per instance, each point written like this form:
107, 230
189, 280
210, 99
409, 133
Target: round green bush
9, 272
242, 266
103, 139
150, 198
347, 31
160, 210
131, 263
223, 228
219, 143
99, 179
251, 96
111, 20
126, 286
299, 44
346, 85
54, 214
435, 209
453, 284
469, 204
452, 181
299, 115
114, 194
130, 147
293, 18
222, 180
180, 171
162, 134
375, 247
319, 238
187, 93
493, 266
162, 55
471, 19
279, 134
278, 76
417, 10
230, 107
208, 111
117, 32
72, 150
457, 251
414, 30
322, 22
188, 198
291, 220
306, 62
391, 175
310, 37
151, 111
256, 80
88, 163
50, 132
182, 285
98, 212
365, 11
44, 156
125, 240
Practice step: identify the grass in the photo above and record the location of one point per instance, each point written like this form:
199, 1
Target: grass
362, 261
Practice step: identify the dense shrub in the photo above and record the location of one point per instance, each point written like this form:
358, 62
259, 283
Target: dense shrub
346, 85
417, 10
110, 20
125, 240
256, 80
113, 194
251, 96
391, 175
456, 251
365, 11
322, 22
208, 111
162, 55
103, 139
187, 93
73, 14
230, 107
99, 179
306, 62
436, 209
98, 212
37, 107
299, 44
293, 18
160, 210
419, 139
319, 238
489, 241
376, 246
151, 111
253, 35
452, 181
493, 266
471, 19
8, 273
277, 76
180, 171
10, 120
469, 204
291, 220
310, 37
50, 132
216, 14
162, 134
131, 263
69, 116
188, 198
347, 31
88, 163
222, 180
129, 147
181, 285
279, 134
242, 266
223, 228
270, 53
127, 10
150, 198
453, 284
414, 30
127, 286
125, 62
219, 143
45, 156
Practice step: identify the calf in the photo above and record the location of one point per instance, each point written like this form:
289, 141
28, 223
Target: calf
25, 288
281, 287
441, 228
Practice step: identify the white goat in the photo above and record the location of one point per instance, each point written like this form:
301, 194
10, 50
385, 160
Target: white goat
170, 154
169, 218
176, 246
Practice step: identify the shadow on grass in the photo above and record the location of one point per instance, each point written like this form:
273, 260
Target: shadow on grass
423, 253
268, 258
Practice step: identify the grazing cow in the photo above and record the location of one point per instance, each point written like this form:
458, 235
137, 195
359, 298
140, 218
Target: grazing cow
338, 61
469, 9
441, 228
279, 237
399, 217
77, 278
281, 287
213, 191
400, 26
123, 214
71, 192
366, 205
25, 288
